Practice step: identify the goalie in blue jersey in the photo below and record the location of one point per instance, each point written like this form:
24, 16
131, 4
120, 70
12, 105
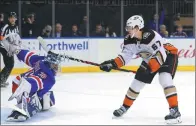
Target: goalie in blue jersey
32, 89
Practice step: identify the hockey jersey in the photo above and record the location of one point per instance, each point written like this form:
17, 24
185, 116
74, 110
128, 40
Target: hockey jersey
41, 76
150, 48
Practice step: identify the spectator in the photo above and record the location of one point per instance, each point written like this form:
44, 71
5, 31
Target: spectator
179, 32
163, 31
47, 31
58, 30
75, 32
109, 32
83, 25
152, 23
98, 32
1, 20
28, 28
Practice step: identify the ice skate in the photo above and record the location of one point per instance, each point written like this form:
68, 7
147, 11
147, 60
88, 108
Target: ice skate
119, 112
16, 116
174, 116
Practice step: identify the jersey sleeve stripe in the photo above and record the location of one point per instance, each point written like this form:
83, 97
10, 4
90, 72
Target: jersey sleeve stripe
122, 59
38, 81
28, 57
119, 62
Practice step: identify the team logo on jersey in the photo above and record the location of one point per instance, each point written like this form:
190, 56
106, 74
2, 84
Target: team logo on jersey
145, 35
144, 54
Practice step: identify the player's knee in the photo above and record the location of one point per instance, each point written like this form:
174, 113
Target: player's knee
137, 85
48, 100
165, 79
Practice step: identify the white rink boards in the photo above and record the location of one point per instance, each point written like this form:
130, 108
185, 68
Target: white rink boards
90, 98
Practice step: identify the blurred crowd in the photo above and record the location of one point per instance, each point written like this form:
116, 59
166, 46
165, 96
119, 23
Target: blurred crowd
29, 28
77, 30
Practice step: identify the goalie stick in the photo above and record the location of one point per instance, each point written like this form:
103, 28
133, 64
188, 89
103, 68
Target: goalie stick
44, 46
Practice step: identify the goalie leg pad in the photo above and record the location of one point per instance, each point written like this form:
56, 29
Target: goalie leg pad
15, 83
24, 86
34, 105
28, 107
48, 100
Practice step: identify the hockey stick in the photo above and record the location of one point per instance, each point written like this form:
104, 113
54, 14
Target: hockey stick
44, 46
95, 64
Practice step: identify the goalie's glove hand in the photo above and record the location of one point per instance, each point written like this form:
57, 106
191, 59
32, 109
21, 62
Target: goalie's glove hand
12, 44
108, 65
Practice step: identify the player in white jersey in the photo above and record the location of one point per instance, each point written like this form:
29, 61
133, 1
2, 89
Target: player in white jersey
157, 58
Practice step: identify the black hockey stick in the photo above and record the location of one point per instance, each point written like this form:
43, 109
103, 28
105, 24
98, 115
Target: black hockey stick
95, 64
44, 46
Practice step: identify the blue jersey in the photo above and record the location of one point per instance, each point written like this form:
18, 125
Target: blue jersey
41, 76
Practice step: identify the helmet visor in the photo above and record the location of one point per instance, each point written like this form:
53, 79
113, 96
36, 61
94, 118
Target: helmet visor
128, 28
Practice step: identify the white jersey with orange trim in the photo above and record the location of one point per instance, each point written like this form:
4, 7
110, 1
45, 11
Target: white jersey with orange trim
150, 48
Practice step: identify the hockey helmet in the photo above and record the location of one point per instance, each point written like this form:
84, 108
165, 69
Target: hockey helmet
134, 21
54, 60
12, 14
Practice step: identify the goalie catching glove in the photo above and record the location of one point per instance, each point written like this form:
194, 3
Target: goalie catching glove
12, 43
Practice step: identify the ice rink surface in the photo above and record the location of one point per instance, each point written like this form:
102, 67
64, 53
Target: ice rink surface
91, 98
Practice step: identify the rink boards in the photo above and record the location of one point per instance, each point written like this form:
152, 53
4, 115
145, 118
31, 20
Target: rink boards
98, 50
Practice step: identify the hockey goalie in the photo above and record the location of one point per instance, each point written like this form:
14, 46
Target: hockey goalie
32, 89
157, 58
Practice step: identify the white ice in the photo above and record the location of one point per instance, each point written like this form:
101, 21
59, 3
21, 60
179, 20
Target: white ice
91, 98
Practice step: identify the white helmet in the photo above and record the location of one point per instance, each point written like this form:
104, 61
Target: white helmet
133, 21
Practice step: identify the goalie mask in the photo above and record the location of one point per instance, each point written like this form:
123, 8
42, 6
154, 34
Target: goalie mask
54, 61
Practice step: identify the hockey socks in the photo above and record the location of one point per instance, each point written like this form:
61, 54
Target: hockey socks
171, 96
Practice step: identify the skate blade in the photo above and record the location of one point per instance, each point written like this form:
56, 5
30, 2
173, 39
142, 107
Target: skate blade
20, 119
174, 121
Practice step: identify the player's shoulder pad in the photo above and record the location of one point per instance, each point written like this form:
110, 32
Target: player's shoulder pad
147, 36
129, 40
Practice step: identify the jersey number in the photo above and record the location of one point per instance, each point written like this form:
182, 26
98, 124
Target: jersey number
155, 45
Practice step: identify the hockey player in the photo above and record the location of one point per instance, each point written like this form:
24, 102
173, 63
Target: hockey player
32, 89
157, 58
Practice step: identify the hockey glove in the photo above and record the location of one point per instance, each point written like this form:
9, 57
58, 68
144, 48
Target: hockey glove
108, 65
145, 67
12, 43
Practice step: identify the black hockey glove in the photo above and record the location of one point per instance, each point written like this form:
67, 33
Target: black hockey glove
108, 65
145, 68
